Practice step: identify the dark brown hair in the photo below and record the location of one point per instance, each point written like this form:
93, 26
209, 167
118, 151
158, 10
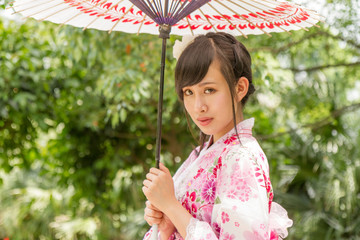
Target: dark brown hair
195, 60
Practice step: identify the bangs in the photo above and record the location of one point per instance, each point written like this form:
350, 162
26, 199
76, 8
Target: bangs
193, 64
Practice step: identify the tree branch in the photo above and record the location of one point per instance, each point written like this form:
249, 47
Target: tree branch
323, 67
306, 37
315, 125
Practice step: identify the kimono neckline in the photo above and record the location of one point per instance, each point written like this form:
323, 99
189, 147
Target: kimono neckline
244, 128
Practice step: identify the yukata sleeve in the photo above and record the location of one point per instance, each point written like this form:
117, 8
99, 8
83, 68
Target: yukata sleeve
241, 208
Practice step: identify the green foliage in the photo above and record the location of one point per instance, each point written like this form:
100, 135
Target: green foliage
78, 122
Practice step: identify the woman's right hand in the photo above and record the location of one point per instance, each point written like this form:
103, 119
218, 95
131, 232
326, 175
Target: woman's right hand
153, 216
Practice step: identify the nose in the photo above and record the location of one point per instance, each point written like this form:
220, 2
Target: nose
200, 104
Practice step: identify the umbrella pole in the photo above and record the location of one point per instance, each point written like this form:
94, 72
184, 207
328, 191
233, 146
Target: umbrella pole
155, 227
160, 103
164, 34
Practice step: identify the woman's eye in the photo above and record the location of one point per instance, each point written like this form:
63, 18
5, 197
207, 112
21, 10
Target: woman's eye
187, 92
209, 90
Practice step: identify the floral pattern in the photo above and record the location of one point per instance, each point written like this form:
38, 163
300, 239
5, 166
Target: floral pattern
227, 190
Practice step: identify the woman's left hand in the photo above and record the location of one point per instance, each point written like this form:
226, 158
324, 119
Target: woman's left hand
159, 188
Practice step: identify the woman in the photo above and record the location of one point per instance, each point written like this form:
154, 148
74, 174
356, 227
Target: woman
223, 190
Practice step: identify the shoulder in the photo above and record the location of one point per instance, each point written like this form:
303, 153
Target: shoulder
249, 151
242, 151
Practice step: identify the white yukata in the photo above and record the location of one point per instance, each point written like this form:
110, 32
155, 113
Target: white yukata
227, 190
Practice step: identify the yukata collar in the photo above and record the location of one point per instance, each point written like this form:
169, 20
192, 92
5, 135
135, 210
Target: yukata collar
244, 129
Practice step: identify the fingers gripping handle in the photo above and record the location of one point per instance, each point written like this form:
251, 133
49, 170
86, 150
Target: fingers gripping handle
154, 234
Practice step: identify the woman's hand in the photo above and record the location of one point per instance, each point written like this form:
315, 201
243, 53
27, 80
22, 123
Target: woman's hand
159, 188
153, 216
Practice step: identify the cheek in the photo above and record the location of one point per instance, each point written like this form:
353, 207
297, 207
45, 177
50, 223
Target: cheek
187, 105
224, 103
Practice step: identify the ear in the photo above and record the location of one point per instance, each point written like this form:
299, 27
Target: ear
242, 87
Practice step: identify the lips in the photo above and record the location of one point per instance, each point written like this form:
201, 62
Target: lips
204, 121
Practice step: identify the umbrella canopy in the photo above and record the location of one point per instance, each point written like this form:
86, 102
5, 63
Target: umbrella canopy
237, 17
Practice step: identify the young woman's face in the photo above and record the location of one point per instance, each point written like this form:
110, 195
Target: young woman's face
209, 103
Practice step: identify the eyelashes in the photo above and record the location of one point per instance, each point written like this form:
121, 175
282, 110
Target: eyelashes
188, 92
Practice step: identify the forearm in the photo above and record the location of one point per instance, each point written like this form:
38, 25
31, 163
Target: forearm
179, 216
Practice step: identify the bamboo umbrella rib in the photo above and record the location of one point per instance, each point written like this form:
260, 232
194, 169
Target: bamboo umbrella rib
187, 19
34, 6
262, 16
152, 7
310, 10
245, 18
99, 3
33, 14
274, 3
304, 8
11, 5
317, 19
173, 6
176, 7
283, 29
121, 18
109, 9
299, 26
293, 23
76, 15
161, 9
178, 11
208, 20
22, 4
142, 22
313, 24
52, 14
229, 21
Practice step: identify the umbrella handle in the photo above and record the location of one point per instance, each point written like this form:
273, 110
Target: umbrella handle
154, 235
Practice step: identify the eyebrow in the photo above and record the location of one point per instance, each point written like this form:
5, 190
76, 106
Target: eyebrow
206, 83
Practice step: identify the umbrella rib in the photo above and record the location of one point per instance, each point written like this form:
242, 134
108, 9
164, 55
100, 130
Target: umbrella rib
76, 15
158, 8
317, 19
174, 9
33, 14
68, 8
245, 18
173, 6
102, 14
295, 5
310, 10
313, 24
266, 20
26, 3
207, 19
55, 13
121, 18
142, 22
34, 6
149, 6
230, 22
162, 10
187, 19
261, 17
178, 11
